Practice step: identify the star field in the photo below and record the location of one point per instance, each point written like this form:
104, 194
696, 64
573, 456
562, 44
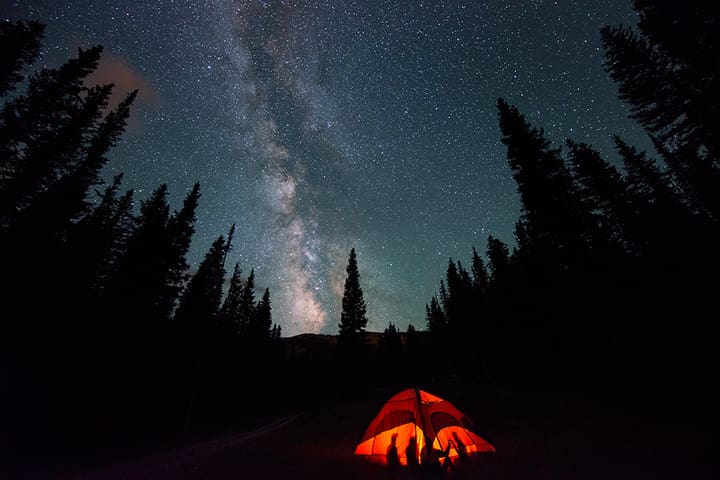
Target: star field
319, 126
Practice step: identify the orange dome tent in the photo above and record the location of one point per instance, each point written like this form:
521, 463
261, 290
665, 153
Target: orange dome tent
417, 417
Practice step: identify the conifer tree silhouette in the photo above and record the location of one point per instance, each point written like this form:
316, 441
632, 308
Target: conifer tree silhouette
554, 221
99, 239
180, 228
353, 319
604, 193
136, 288
668, 72
200, 302
260, 327
54, 140
247, 307
230, 311
479, 274
435, 318
21, 42
499, 258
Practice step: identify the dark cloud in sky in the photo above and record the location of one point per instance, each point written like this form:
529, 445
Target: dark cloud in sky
125, 78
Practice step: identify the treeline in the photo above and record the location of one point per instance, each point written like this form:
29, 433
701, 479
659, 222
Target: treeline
107, 338
615, 270
106, 333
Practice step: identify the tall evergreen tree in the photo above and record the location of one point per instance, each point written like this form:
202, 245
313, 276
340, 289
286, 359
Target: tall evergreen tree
499, 257
480, 275
260, 327
444, 297
229, 316
136, 288
604, 192
353, 319
228, 247
435, 318
20, 44
200, 302
276, 332
65, 200
96, 242
122, 225
247, 307
54, 140
451, 305
457, 307
180, 228
554, 220
647, 183
668, 72
660, 220
54, 135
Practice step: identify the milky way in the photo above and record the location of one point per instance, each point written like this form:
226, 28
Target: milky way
276, 80
319, 126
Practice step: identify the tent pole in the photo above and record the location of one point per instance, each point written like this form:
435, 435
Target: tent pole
428, 443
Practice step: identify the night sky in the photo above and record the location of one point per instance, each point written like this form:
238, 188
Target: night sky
319, 126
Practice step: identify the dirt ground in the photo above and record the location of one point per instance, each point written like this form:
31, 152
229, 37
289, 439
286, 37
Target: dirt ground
538, 435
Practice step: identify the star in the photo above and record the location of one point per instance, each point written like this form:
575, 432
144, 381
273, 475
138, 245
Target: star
319, 126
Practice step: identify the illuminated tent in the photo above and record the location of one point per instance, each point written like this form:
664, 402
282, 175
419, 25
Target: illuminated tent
426, 418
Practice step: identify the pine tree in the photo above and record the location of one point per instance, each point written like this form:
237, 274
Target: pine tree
122, 225
457, 303
96, 242
247, 308
229, 247
654, 203
353, 319
276, 332
604, 192
498, 255
65, 200
444, 298
105, 209
136, 288
54, 141
54, 136
668, 73
229, 317
180, 229
200, 302
554, 220
260, 327
20, 44
451, 307
480, 275
435, 321
646, 181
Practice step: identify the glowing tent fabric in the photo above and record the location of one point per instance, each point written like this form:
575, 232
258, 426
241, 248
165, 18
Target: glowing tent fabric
411, 420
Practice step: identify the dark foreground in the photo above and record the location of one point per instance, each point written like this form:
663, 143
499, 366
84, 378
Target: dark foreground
538, 435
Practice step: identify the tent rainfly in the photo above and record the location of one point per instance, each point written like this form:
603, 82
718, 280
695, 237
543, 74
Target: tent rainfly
419, 419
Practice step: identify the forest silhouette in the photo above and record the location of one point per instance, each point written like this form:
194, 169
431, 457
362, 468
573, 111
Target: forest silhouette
110, 342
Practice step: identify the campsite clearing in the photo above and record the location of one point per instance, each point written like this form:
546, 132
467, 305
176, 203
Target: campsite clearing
538, 435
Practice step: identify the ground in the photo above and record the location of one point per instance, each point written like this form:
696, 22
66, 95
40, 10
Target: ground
538, 435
